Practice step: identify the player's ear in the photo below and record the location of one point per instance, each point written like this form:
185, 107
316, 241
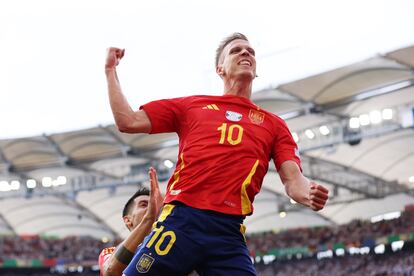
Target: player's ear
220, 71
127, 221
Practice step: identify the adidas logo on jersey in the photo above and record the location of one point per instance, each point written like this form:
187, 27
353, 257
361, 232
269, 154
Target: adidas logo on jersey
211, 106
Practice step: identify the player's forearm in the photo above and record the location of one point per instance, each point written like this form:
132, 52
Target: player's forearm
117, 264
296, 185
123, 114
298, 190
137, 235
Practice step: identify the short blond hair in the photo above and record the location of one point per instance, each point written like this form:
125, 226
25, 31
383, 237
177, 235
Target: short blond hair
226, 41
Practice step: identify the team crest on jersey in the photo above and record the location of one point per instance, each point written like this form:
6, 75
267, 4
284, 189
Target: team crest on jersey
144, 264
233, 116
256, 116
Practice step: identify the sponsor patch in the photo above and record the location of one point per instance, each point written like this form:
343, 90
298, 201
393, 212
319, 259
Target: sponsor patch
256, 116
233, 116
144, 264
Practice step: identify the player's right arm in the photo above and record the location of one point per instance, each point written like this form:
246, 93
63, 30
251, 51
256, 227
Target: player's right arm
122, 255
126, 119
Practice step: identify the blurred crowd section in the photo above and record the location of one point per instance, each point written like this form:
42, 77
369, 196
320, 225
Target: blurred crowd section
401, 263
357, 233
288, 252
58, 251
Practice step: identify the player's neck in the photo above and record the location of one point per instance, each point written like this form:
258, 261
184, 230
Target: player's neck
241, 88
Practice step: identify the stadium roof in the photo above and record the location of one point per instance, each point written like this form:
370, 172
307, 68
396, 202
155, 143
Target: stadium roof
55, 50
353, 125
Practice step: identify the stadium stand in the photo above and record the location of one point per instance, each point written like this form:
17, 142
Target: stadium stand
349, 249
401, 263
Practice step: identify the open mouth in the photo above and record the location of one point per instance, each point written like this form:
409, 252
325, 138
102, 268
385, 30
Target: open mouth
245, 62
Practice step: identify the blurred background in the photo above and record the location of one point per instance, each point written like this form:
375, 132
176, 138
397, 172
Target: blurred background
341, 73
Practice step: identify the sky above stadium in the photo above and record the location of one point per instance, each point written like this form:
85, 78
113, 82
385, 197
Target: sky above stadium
53, 51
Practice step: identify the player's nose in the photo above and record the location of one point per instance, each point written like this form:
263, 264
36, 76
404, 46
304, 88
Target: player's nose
245, 52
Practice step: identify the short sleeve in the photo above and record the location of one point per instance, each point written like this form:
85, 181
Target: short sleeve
284, 147
165, 115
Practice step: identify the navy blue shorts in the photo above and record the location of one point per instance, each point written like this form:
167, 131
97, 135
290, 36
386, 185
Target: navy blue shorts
186, 239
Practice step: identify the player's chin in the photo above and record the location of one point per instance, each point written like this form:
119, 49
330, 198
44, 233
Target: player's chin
246, 74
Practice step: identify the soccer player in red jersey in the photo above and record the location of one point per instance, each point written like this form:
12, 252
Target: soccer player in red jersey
139, 213
226, 143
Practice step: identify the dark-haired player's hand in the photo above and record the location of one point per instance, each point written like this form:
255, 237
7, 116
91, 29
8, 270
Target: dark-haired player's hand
156, 199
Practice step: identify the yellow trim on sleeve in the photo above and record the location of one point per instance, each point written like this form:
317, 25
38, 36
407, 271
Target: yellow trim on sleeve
245, 201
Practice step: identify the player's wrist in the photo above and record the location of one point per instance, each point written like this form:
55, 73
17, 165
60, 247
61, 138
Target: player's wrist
149, 218
123, 255
109, 69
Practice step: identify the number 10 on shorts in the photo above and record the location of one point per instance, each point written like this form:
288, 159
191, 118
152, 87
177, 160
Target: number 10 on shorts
166, 248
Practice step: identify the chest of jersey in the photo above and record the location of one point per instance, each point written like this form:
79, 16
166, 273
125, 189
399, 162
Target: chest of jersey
233, 126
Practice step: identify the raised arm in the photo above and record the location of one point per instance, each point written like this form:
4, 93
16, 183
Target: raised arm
126, 119
124, 252
300, 189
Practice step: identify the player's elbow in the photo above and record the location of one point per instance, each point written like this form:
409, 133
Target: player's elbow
124, 126
135, 127
138, 123
127, 126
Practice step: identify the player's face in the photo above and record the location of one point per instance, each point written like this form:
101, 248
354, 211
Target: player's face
139, 209
238, 60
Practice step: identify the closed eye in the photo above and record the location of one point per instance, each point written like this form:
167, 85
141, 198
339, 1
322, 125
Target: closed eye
235, 50
143, 204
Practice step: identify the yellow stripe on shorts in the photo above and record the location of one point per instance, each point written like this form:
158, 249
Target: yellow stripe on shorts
166, 211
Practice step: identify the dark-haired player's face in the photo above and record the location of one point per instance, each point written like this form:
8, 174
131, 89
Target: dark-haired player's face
138, 210
238, 60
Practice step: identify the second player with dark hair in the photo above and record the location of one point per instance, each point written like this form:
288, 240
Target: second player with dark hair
139, 213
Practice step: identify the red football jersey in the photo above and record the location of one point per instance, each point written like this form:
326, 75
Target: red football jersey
104, 257
226, 143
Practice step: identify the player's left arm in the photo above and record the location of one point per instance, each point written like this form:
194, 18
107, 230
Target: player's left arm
124, 253
300, 189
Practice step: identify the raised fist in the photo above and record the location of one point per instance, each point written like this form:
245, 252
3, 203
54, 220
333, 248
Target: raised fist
113, 57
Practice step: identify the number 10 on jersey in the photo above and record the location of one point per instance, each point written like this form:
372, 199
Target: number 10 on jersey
234, 134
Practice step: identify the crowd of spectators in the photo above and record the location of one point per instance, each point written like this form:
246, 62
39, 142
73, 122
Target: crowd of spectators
45, 272
356, 233
76, 249
85, 250
400, 263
